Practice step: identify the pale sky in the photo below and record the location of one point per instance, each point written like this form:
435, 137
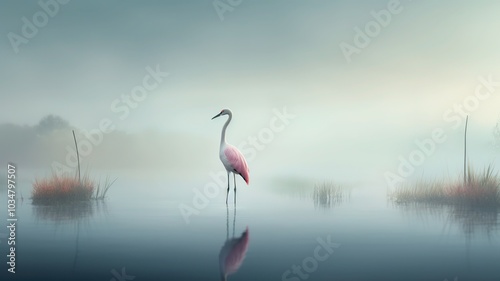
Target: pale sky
263, 55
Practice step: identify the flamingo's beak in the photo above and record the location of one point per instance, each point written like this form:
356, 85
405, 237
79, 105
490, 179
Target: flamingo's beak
216, 116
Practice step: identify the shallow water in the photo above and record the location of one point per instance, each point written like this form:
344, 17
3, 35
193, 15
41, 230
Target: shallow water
139, 233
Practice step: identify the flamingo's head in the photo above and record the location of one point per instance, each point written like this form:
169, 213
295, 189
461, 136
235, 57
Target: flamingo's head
223, 112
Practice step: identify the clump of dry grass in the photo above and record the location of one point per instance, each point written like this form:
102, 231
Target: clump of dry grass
62, 189
478, 189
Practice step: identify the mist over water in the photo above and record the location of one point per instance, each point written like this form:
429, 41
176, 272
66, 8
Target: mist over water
285, 222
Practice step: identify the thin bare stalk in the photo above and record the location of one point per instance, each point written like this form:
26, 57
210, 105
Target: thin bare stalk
465, 148
77, 156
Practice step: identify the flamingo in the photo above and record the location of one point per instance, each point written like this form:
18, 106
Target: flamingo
232, 159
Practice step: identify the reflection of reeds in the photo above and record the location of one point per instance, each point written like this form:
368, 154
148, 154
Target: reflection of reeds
75, 212
71, 215
478, 189
471, 219
327, 195
64, 212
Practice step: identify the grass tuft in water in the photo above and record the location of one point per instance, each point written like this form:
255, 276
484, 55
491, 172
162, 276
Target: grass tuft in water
478, 188
328, 194
61, 189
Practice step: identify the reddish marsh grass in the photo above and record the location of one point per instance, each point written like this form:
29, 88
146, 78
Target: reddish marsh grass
62, 189
479, 189
66, 188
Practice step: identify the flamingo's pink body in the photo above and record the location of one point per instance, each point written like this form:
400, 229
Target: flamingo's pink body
231, 157
236, 162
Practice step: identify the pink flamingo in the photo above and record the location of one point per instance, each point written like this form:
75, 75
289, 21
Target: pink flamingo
231, 157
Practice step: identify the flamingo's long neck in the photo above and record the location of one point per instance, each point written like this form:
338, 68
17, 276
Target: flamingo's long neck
223, 135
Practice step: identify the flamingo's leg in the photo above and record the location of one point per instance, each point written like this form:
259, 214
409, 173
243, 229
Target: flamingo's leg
227, 193
234, 180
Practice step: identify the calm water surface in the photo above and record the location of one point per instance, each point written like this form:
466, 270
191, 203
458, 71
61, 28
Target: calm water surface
139, 233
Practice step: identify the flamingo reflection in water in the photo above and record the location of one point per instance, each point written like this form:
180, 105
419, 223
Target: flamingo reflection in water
233, 252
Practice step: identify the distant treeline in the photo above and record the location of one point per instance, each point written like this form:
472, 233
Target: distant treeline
51, 140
